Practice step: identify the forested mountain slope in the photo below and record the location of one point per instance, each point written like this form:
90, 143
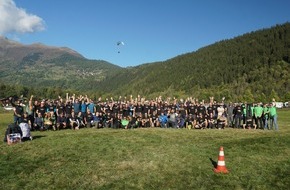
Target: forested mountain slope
253, 66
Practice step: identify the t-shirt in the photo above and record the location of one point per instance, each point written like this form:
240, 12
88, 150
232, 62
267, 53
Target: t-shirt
273, 111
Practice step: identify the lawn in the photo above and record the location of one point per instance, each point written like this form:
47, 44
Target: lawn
147, 158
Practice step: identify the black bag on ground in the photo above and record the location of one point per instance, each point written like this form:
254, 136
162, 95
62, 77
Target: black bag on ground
11, 129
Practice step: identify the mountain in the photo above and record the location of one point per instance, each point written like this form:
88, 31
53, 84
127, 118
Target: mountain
254, 66
46, 66
17, 52
251, 67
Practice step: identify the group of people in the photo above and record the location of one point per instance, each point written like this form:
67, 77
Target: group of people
74, 112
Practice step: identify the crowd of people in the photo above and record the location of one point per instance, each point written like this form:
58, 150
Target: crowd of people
76, 112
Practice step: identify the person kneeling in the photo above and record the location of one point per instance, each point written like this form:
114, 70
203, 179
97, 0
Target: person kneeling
201, 122
61, 122
221, 122
249, 124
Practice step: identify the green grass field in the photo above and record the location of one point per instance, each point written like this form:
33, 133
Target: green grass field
147, 159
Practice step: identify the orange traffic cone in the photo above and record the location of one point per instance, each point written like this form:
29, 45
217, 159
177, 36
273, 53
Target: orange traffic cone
221, 165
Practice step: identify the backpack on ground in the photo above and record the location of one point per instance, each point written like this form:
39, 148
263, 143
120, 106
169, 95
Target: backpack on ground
13, 134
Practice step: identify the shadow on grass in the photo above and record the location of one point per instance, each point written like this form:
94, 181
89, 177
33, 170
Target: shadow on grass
37, 137
33, 138
214, 163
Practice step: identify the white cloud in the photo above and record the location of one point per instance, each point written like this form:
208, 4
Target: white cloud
16, 20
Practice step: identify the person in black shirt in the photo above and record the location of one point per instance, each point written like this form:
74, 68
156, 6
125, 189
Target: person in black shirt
41, 109
38, 122
139, 109
108, 120
190, 122
211, 121
25, 118
60, 108
132, 122
201, 122
153, 119
201, 109
152, 108
18, 111
61, 122
238, 115
191, 109
74, 121
68, 109
89, 119
209, 109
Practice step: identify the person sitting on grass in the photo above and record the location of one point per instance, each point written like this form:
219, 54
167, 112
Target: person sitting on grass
211, 121
163, 120
74, 121
132, 122
38, 122
145, 121
222, 122
125, 122
47, 121
153, 119
108, 122
172, 119
61, 122
89, 120
201, 122
180, 121
249, 123
190, 121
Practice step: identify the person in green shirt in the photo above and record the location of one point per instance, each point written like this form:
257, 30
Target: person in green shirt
266, 116
273, 116
258, 110
244, 111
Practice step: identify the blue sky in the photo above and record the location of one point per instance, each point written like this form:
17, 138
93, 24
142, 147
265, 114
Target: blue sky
152, 30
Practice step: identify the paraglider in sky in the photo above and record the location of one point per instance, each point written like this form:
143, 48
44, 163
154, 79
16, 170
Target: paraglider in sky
119, 44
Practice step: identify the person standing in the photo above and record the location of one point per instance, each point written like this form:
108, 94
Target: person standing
230, 111
18, 111
266, 116
273, 116
258, 110
91, 106
238, 115
76, 106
